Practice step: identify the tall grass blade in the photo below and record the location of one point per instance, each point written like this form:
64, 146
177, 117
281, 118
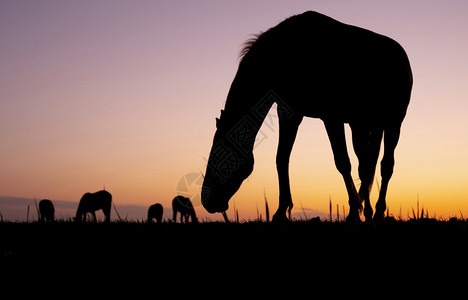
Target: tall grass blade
37, 209
258, 215
234, 210
417, 208
303, 210
267, 209
115, 208
226, 219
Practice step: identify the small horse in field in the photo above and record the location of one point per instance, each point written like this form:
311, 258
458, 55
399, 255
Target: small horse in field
311, 65
184, 206
91, 202
155, 211
46, 211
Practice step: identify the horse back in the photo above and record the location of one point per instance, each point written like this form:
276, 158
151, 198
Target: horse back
327, 69
95, 201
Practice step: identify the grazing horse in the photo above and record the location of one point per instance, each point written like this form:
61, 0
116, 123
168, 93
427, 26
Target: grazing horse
90, 202
155, 211
46, 211
311, 65
184, 206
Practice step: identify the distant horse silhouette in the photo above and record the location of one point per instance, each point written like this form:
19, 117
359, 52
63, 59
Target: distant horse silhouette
155, 211
90, 202
314, 66
46, 211
184, 206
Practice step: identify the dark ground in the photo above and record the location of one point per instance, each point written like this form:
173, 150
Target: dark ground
210, 252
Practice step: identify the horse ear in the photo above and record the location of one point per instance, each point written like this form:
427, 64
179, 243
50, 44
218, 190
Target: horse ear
220, 117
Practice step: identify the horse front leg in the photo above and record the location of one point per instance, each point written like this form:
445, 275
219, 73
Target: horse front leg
93, 213
287, 135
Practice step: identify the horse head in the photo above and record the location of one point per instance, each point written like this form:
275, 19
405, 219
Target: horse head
229, 164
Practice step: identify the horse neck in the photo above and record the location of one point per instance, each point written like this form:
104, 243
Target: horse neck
246, 108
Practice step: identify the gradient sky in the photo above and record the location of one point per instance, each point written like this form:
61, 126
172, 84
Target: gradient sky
124, 94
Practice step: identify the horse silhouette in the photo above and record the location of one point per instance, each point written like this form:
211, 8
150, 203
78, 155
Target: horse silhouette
46, 211
155, 211
311, 65
184, 206
90, 202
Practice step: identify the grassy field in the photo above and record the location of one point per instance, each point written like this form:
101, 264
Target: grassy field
213, 242
312, 252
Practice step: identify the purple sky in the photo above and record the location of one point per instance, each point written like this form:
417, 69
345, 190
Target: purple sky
124, 94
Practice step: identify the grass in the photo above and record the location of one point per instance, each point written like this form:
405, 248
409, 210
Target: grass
134, 242
255, 251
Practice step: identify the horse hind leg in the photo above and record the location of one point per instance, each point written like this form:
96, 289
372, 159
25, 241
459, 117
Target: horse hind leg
366, 143
107, 213
391, 137
336, 135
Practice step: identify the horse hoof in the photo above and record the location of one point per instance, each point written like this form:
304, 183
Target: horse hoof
280, 218
353, 217
368, 213
379, 217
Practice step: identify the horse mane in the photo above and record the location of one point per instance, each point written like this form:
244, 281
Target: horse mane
283, 28
248, 44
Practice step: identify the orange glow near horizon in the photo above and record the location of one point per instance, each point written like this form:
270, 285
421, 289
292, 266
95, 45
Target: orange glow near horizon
127, 99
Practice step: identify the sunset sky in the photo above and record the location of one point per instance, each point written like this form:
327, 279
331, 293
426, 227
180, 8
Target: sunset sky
124, 94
